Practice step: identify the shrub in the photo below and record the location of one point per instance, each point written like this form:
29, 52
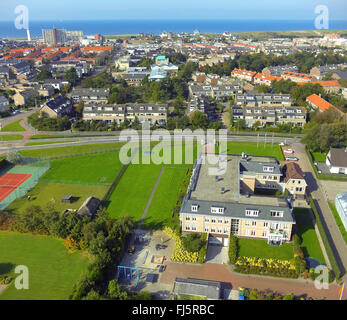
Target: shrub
193, 242
202, 255
288, 297
233, 249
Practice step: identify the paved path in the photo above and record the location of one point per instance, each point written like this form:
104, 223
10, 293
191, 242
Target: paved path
222, 273
332, 231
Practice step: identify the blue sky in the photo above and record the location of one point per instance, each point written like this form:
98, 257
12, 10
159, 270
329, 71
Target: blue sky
172, 9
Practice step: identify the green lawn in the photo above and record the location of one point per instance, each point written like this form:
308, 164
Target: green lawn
310, 244
92, 168
165, 198
52, 270
44, 193
338, 221
251, 148
133, 190
44, 143
14, 126
261, 249
66, 151
10, 137
319, 157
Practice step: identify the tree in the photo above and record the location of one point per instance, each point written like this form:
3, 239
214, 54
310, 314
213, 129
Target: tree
115, 291
71, 76
199, 120
14, 157
43, 75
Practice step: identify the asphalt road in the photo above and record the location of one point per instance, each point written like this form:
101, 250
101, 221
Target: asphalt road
332, 231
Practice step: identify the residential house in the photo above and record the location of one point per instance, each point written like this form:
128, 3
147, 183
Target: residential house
44, 90
336, 160
24, 97
330, 86
294, 179
340, 75
57, 107
4, 104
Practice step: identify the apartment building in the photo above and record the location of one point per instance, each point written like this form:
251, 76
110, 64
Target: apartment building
98, 96
118, 113
256, 99
298, 77
216, 204
270, 115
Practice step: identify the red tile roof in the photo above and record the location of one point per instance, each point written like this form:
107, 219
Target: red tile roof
319, 102
330, 83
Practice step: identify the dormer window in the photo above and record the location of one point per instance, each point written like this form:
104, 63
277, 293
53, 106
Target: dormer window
195, 208
217, 210
277, 214
252, 213
268, 169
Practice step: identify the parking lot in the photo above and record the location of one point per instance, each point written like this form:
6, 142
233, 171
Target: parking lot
289, 151
147, 254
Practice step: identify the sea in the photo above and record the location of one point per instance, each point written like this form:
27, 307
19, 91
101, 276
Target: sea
116, 27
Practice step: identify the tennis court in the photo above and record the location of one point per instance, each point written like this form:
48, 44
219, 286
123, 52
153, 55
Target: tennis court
10, 181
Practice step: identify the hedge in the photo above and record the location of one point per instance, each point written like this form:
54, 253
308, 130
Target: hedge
326, 243
338, 221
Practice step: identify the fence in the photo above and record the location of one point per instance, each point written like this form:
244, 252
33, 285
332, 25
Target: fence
36, 169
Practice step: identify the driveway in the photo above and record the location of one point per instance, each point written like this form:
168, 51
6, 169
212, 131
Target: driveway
217, 254
332, 188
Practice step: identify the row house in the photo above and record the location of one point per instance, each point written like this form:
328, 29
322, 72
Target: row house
118, 113
278, 70
243, 74
270, 115
264, 79
320, 71
57, 107
258, 99
215, 91
88, 96
298, 77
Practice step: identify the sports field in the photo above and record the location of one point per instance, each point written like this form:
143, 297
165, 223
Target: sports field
99, 168
52, 270
10, 181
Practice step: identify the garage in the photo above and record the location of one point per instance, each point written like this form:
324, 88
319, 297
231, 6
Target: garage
218, 241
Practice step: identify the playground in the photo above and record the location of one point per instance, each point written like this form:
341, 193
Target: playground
145, 261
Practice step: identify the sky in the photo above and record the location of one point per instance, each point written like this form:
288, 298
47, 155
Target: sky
172, 9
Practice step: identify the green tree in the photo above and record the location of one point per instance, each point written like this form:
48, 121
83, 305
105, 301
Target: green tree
71, 76
115, 291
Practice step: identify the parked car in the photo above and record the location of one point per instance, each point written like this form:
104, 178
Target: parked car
292, 159
288, 151
131, 250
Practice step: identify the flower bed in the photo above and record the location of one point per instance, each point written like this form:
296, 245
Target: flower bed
270, 267
179, 253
